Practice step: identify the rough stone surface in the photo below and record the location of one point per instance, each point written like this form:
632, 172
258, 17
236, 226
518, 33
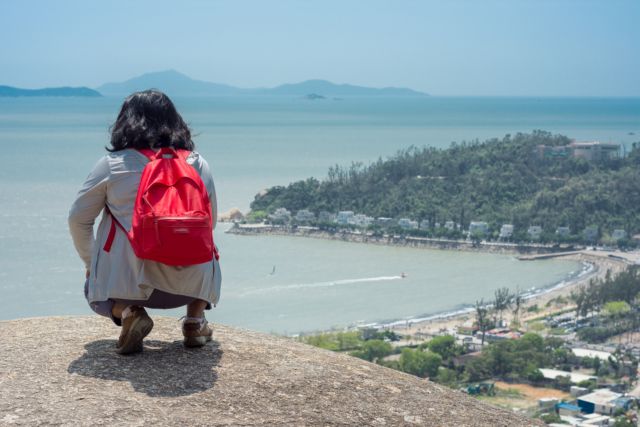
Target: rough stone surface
64, 371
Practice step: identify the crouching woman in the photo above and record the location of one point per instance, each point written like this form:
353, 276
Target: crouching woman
120, 284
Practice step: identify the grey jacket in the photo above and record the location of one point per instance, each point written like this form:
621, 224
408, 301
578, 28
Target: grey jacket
113, 182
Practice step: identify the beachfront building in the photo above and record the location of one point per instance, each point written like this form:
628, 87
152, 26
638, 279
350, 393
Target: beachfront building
563, 231
595, 150
325, 216
478, 227
602, 401
450, 225
280, 216
618, 234
424, 224
305, 215
407, 224
591, 151
361, 220
534, 232
383, 221
590, 233
344, 217
506, 231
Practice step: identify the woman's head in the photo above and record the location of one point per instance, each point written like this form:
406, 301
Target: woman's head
149, 119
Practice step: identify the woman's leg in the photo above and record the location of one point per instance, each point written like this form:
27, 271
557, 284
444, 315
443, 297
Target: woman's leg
196, 308
195, 328
117, 308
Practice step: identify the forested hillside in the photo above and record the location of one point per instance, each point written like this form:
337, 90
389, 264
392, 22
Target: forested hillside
497, 181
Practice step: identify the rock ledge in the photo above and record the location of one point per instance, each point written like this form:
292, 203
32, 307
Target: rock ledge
63, 371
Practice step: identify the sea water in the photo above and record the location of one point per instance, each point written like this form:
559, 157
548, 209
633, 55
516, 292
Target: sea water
50, 144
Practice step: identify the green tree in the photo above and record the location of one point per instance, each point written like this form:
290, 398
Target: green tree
373, 350
616, 308
503, 299
348, 340
477, 369
450, 184
420, 363
446, 376
518, 299
482, 318
444, 345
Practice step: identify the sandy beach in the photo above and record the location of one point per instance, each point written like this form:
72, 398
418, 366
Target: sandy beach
552, 299
601, 262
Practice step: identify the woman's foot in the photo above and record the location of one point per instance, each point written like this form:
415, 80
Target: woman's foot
196, 331
136, 324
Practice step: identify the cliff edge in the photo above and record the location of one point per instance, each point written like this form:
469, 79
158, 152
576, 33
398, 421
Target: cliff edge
64, 371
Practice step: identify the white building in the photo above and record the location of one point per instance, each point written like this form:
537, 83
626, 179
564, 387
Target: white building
563, 231
506, 231
361, 220
534, 232
595, 150
344, 217
305, 215
325, 216
478, 227
575, 378
450, 225
407, 224
424, 224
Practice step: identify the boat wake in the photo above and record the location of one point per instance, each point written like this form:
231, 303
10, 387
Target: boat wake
322, 284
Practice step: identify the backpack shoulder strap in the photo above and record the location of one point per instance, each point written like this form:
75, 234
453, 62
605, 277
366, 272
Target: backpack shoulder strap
148, 153
184, 154
112, 230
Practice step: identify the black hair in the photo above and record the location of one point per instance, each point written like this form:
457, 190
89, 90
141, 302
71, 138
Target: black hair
149, 119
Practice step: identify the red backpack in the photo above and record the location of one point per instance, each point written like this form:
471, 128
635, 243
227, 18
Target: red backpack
172, 221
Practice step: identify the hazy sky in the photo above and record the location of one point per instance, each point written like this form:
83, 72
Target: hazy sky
505, 47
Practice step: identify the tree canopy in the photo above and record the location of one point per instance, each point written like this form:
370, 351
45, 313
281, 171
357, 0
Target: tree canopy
497, 181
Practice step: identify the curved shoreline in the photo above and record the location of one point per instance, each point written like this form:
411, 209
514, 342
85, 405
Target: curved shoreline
588, 271
595, 265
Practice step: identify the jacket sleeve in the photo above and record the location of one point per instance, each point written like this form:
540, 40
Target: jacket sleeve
207, 178
90, 201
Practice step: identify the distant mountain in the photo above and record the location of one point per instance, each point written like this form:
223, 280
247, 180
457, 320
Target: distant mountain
326, 88
178, 84
172, 83
8, 91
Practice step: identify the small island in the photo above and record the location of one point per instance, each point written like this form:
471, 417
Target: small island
14, 92
314, 96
